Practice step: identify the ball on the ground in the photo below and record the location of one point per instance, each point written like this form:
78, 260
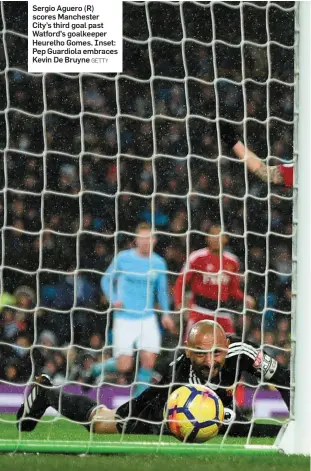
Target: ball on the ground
194, 413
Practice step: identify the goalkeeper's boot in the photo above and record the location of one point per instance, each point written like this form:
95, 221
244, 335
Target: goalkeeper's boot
31, 411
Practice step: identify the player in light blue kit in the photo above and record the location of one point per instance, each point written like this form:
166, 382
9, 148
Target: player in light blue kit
134, 282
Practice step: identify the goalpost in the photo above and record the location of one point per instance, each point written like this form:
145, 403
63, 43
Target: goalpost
295, 438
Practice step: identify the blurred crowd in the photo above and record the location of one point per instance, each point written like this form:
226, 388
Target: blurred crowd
84, 159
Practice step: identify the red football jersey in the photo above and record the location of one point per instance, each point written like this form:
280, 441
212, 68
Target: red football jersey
209, 278
287, 172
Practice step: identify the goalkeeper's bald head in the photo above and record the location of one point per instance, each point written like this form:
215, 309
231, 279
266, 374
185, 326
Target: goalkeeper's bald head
207, 348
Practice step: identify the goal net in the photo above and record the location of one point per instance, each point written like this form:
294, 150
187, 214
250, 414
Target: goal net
87, 157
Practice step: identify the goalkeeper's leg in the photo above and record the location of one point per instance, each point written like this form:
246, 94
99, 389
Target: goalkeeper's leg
78, 408
132, 417
84, 410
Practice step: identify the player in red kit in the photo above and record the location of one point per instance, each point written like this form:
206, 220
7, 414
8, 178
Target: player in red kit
278, 174
213, 276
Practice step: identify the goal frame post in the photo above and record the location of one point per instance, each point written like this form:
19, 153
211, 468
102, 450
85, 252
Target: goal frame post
296, 437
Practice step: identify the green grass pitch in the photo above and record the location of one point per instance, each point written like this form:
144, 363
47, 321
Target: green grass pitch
232, 456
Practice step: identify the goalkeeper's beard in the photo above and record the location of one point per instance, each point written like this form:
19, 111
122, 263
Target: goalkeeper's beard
206, 372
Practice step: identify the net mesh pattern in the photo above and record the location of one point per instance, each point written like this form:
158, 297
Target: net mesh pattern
86, 157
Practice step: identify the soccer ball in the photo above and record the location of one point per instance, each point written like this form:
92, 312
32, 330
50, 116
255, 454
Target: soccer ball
194, 413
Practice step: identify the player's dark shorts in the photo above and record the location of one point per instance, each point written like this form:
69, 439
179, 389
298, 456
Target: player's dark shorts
149, 421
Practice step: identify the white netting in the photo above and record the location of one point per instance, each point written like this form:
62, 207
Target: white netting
86, 157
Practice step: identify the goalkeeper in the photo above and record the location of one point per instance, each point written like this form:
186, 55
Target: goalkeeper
210, 359
278, 174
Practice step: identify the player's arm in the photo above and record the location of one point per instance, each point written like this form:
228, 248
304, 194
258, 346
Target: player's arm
183, 279
237, 293
109, 281
257, 166
262, 365
163, 298
235, 287
272, 372
254, 164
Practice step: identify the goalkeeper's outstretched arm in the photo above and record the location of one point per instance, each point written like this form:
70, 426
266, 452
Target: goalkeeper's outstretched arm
242, 426
259, 364
257, 166
254, 164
